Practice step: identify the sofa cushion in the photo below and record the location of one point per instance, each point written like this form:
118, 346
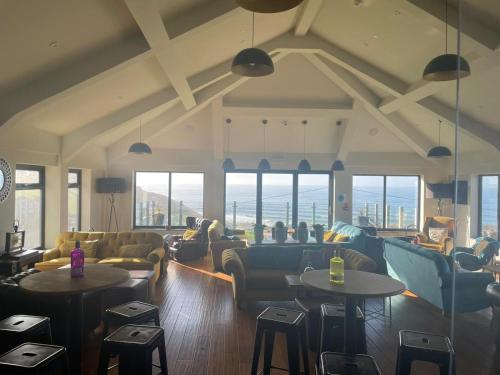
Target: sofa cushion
274, 257
266, 279
89, 248
328, 236
59, 262
128, 263
215, 231
135, 251
438, 235
341, 238
190, 234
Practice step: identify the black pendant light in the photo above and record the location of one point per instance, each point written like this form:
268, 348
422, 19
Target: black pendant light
445, 67
337, 164
439, 151
228, 164
264, 164
304, 165
252, 62
140, 147
268, 6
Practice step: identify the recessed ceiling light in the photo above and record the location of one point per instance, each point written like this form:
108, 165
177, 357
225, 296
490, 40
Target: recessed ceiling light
53, 44
373, 132
375, 36
397, 12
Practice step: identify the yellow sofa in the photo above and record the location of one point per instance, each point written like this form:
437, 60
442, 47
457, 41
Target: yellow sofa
108, 245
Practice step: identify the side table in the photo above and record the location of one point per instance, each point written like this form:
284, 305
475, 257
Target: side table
10, 264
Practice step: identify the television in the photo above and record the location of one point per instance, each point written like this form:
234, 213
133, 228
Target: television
14, 241
110, 185
447, 191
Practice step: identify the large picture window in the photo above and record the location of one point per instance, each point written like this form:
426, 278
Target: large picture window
387, 202
30, 204
489, 206
164, 199
254, 197
74, 200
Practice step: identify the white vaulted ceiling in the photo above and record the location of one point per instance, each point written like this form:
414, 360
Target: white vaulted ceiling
90, 71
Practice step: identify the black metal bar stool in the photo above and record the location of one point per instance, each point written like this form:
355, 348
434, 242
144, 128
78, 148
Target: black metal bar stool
342, 364
332, 329
292, 324
30, 358
134, 312
134, 345
18, 329
418, 346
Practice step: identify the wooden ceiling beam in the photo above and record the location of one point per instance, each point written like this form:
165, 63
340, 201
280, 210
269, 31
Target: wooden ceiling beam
307, 14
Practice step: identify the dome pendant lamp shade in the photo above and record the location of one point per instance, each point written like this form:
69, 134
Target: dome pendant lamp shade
445, 68
304, 166
337, 166
140, 148
268, 6
228, 165
439, 152
264, 165
252, 62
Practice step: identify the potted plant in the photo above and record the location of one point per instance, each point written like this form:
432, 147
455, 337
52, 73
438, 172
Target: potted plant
302, 232
281, 232
258, 230
318, 232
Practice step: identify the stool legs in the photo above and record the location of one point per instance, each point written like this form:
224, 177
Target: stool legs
268, 351
303, 346
256, 349
162, 353
293, 358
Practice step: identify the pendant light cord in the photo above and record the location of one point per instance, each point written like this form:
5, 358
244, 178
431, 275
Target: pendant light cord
140, 131
265, 149
446, 27
439, 133
253, 27
304, 140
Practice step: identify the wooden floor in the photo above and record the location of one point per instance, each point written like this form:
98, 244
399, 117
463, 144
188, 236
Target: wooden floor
207, 334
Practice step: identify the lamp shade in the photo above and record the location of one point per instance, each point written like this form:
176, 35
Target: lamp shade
228, 164
140, 148
268, 6
304, 166
439, 152
337, 166
444, 68
252, 62
264, 165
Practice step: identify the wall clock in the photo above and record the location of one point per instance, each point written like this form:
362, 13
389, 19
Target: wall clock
5, 179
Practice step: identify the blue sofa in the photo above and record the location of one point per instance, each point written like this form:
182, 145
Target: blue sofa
427, 274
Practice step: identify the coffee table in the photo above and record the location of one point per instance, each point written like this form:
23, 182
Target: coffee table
357, 285
148, 275
59, 283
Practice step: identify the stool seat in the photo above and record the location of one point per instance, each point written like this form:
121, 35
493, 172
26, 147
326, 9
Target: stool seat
29, 357
280, 318
18, 329
342, 364
135, 335
135, 312
425, 341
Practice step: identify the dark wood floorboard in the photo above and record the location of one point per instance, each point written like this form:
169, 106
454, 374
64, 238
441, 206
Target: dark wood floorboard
206, 334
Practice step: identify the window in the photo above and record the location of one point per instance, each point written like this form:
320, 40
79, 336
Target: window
287, 196
241, 200
74, 200
29, 209
489, 207
314, 198
388, 202
165, 199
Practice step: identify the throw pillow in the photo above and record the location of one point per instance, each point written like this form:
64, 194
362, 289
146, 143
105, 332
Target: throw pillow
329, 235
135, 251
341, 238
481, 247
437, 235
215, 231
190, 234
89, 248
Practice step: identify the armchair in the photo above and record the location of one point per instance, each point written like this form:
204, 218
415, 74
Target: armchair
218, 242
443, 242
480, 254
184, 250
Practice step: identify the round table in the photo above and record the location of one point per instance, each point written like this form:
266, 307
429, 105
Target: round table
357, 285
59, 283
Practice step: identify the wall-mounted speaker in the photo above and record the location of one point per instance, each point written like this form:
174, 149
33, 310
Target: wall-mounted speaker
111, 185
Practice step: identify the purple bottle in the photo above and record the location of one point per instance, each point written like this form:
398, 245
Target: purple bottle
77, 261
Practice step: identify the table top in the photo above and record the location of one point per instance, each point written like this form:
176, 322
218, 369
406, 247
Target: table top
356, 284
59, 282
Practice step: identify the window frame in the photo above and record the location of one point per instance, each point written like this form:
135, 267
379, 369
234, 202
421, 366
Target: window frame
77, 185
38, 186
480, 205
169, 203
295, 191
384, 211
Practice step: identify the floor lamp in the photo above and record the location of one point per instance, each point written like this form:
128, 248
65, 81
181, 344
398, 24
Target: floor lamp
111, 186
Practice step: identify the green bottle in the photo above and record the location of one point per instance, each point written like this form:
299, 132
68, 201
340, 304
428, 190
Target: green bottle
337, 269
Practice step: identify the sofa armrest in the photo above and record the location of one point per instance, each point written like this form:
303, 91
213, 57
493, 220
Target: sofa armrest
222, 245
447, 245
51, 254
156, 255
468, 280
233, 264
